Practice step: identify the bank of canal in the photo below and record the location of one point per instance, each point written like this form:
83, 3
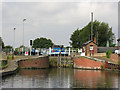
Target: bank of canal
61, 77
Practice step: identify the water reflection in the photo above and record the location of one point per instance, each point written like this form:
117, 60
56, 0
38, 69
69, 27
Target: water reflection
95, 79
61, 78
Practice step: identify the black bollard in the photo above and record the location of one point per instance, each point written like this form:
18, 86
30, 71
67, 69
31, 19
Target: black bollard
7, 57
12, 56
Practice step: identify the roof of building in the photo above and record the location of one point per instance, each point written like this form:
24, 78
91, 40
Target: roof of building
57, 46
118, 39
104, 49
84, 44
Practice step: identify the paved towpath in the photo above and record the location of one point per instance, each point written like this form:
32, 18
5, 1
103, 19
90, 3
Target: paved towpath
12, 65
106, 59
102, 59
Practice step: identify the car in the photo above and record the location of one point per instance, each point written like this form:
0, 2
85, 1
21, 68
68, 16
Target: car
117, 51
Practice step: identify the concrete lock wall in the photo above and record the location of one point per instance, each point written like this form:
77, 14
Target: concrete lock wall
41, 62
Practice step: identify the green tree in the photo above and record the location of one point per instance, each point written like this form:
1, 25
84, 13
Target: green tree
17, 49
8, 47
42, 43
108, 53
22, 46
75, 38
1, 42
101, 31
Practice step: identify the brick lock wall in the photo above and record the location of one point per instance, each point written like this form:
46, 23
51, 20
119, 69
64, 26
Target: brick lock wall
119, 45
115, 57
33, 72
41, 62
86, 63
88, 48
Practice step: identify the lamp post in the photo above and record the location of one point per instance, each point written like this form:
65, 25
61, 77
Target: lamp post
13, 43
23, 36
14, 37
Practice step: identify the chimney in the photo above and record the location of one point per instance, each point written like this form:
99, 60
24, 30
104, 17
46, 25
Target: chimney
91, 26
95, 40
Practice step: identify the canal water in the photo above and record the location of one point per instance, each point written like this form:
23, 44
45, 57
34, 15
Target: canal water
61, 78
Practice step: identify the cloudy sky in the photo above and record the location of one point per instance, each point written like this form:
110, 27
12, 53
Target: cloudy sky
54, 20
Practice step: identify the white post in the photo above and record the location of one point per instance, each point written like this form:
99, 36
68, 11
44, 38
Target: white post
50, 51
38, 52
69, 52
107, 43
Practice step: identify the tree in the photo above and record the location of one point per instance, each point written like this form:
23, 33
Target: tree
75, 39
8, 47
1, 42
42, 43
22, 46
101, 31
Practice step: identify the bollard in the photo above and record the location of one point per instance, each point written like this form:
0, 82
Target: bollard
12, 56
7, 57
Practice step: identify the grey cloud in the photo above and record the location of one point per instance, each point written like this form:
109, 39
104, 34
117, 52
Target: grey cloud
53, 20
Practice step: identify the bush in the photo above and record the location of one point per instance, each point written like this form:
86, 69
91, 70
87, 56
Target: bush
102, 67
119, 54
108, 53
113, 45
118, 62
113, 69
3, 63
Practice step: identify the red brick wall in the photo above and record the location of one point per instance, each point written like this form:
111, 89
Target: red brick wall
119, 45
86, 63
41, 62
106, 64
111, 65
115, 57
33, 72
87, 51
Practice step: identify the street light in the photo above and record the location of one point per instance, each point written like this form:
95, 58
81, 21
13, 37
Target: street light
23, 35
13, 43
14, 37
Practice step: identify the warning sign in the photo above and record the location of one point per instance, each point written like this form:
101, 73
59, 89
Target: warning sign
26, 53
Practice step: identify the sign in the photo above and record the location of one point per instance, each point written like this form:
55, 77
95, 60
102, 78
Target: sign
26, 53
91, 47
